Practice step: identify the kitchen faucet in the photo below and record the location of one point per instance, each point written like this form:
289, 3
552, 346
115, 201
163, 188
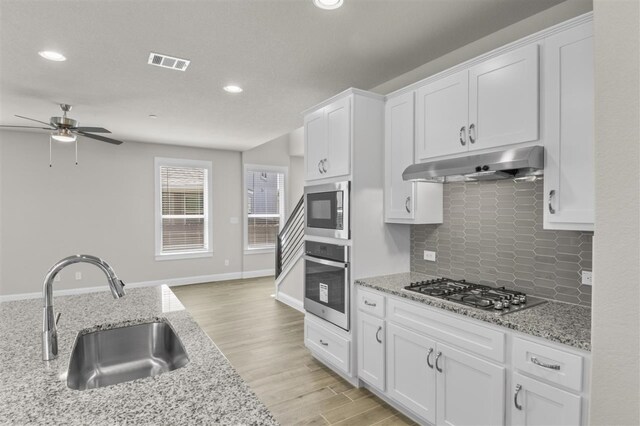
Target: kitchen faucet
49, 331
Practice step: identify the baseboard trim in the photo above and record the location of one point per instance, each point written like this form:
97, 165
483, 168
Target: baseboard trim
290, 301
170, 282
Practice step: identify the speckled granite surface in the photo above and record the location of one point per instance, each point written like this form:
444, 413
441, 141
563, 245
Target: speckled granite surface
555, 321
205, 391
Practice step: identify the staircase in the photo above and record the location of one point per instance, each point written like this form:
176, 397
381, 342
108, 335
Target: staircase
289, 267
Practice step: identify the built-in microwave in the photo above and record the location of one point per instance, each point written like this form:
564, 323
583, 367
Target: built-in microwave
327, 210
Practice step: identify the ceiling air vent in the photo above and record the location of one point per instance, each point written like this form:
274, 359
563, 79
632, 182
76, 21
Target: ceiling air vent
170, 62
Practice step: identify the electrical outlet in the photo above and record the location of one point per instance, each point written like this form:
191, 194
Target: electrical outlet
226, 262
430, 255
587, 277
78, 275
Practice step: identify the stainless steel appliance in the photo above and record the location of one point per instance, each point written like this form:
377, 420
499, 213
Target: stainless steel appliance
496, 299
512, 163
326, 282
327, 210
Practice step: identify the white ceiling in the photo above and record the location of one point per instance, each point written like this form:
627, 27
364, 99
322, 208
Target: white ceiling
286, 54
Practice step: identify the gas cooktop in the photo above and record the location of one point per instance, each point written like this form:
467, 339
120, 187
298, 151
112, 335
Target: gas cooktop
499, 300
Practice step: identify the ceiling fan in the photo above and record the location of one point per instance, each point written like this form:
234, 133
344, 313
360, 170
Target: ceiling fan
65, 129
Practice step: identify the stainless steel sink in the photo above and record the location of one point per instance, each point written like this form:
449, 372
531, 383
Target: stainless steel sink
117, 355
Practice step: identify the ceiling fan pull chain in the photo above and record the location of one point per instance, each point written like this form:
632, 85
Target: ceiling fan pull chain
76, 151
50, 161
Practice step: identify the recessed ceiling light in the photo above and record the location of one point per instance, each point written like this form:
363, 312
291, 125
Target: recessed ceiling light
153, 116
233, 89
52, 56
328, 4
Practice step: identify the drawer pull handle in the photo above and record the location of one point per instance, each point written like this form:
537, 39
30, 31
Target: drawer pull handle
438, 355
515, 397
373, 305
323, 343
542, 364
429, 356
378, 334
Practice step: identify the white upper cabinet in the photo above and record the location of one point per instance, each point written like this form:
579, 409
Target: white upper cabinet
328, 140
569, 109
442, 117
503, 99
406, 202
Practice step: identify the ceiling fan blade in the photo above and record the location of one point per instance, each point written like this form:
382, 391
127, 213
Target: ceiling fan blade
92, 129
100, 138
38, 121
27, 127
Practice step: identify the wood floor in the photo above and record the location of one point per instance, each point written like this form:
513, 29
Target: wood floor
263, 339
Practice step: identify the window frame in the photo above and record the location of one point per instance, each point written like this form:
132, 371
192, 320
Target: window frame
208, 233
245, 216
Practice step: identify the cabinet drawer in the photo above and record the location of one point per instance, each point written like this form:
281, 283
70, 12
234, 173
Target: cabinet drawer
372, 303
327, 344
547, 363
446, 328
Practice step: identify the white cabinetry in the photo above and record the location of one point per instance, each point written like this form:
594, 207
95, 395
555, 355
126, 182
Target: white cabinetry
569, 108
371, 338
406, 202
491, 104
539, 404
328, 140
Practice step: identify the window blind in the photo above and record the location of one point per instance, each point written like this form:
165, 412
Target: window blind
265, 207
184, 213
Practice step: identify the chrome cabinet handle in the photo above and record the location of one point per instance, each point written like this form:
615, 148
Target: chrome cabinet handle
323, 343
429, 356
407, 204
551, 194
438, 355
463, 140
320, 166
378, 334
515, 397
542, 364
366, 302
472, 129
325, 167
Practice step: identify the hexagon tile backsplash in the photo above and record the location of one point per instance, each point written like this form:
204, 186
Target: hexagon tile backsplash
492, 234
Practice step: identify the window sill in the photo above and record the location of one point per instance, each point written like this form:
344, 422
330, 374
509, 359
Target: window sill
260, 250
181, 256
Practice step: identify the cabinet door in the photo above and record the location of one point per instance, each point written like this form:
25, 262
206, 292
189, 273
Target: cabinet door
371, 338
569, 98
442, 116
411, 381
503, 99
315, 137
470, 390
399, 144
542, 405
338, 158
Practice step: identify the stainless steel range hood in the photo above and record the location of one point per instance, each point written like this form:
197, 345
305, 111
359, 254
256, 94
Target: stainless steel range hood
513, 163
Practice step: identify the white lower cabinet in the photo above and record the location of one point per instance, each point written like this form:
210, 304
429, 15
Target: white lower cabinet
410, 369
371, 338
470, 391
538, 404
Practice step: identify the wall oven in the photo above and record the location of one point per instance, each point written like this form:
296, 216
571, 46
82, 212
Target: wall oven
327, 210
326, 282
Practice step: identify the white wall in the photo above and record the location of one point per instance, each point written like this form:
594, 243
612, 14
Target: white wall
615, 396
104, 207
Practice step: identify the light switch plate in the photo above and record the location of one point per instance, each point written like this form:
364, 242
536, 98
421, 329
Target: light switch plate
430, 255
587, 277
78, 275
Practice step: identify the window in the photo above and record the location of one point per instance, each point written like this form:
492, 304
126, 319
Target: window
265, 198
182, 208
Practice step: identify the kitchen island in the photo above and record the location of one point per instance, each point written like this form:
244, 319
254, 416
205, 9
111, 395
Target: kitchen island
207, 390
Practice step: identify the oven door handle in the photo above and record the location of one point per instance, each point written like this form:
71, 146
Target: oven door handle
335, 264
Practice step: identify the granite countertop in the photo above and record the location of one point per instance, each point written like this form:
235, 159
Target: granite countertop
205, 391
556, 321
